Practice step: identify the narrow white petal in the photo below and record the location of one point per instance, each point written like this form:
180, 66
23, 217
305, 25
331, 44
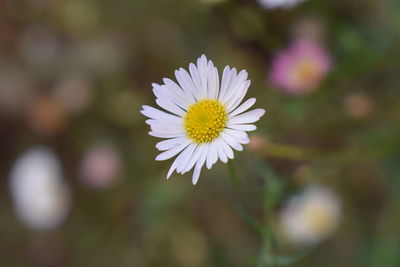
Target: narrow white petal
151, 121
216, 74
211, 86
238, 97
196, 79
154, 113
170, 143
227, 149
210, 156
165, 135
173, 166
243, 107
188, 96
242, 127
221, 152
234, 86
236, 133
243, 141
173, 151
197, 153
202, 68
186, 156
170, 106
232, 142
185, 84
228, 77
166, 128
199, 165
174, 95
248, 117
179, 161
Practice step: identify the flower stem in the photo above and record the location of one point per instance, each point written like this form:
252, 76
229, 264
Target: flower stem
232, 174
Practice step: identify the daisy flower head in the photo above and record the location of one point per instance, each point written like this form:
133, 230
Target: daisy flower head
41, 197
300, 68
202, 119
311, 216
271, 4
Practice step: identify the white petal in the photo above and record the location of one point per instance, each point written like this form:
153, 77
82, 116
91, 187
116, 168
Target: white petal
211, 155
174, 95
193, 160
248, 117
166, 104
186, 156
216, 74
154, 113
243, 140
211, 82
167, 128
151, 121
236, 133
238, 97
243, 107
180, 160
165, 135
227, 149
188, 96
199, 165
196, 79
202, 68
228, 77
170, 143
242, 127
186, 81
173, 151
232, 142
234, 86
221, 152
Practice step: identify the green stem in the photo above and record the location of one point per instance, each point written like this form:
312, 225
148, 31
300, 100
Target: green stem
232, 174
339, 155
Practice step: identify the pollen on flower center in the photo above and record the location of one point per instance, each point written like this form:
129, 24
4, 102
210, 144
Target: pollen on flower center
205, 120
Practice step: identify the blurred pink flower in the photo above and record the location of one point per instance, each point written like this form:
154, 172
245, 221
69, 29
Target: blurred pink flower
300, 68
100, 166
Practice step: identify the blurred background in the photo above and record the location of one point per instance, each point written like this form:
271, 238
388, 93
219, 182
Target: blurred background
79, 184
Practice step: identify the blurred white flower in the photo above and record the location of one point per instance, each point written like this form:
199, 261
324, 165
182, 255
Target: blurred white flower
269, 4
41, 198
310, 217
100, 166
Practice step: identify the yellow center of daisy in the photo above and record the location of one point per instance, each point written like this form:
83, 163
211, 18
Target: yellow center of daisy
205, 120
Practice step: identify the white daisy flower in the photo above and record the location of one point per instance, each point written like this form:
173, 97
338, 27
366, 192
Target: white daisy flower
204, 119
41, 197
270, 4
311, 216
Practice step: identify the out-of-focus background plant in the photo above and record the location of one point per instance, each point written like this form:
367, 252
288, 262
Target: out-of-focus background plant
318, 185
